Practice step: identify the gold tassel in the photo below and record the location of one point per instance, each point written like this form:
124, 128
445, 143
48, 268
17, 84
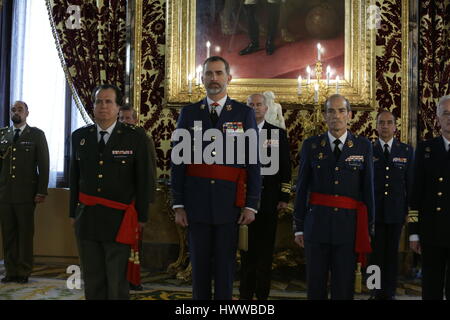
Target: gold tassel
358, 278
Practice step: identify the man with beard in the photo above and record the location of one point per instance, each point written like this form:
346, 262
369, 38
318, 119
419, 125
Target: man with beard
430, 203
24, 174
334, 206
213, 199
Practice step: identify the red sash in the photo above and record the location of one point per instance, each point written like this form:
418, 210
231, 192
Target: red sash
128, 231
221, 172
362, 241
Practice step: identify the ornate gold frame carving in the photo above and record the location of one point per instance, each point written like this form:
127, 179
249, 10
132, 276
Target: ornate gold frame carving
357, 85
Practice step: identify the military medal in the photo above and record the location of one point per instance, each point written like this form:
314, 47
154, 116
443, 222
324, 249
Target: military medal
350, 143
82, 142
320, 156
229, 108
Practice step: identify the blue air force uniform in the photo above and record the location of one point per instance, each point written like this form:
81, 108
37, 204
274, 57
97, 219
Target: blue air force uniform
393, 165
329, 233
210, 203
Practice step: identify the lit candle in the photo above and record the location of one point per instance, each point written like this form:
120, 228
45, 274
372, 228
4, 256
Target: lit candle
208, 49
319, 51
308, 71
328, 75
316, 93
190, 83
299, 88
199, 74
337, 84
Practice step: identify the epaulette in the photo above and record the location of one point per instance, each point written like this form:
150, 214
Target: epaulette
286, 187
130, 126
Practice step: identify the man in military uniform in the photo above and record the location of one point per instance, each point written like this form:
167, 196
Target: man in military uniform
393, 165
334, 206
24, 174
129, 116
213, 199
253, 26
109, 196
430, 203
256, 263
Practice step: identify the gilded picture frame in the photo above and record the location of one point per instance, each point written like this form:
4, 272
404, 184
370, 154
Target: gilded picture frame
357, 84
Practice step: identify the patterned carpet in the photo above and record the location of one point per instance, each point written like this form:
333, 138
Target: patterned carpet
49, 283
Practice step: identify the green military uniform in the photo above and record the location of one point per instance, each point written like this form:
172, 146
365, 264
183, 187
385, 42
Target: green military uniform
120, 173
24, 173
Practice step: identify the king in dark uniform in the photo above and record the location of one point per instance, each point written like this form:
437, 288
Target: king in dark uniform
213, 199
256, 263
393, 165
334, 206
109, 197
24, 174
430, 203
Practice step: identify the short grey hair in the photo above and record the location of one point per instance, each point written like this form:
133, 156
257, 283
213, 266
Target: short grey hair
336, 96
250, 97
442, 100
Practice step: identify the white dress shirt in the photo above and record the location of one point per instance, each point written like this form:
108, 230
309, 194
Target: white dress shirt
108, 132
389, 143
21, 129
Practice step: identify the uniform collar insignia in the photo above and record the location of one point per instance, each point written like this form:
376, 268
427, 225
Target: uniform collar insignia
350, 143
82, 142
229, 107
202, 107
323, 142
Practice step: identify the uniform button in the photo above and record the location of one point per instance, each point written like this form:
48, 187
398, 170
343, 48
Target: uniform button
336, 209
439, 194
438, 209
337, 168
100, 176
336, 195
387, 177
123, 162
13, 176
14, 149
213, 138
336, 182
386, 185
213, 153
14, 167
387, 168
14, 159
386, 193
213, 181
100, 163
441, 179
318, 167
99, 190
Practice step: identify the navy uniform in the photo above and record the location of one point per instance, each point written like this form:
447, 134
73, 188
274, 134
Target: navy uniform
431, 203
210, 203
393, 165
256, 263
24, 173
120, 173
329, 232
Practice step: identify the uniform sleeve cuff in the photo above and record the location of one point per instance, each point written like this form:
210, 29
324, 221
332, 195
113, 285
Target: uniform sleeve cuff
251, 209
177, 206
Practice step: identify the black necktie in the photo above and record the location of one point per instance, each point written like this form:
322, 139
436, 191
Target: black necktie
214, 116
337, 151
16, 135
386, 151
101, 144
